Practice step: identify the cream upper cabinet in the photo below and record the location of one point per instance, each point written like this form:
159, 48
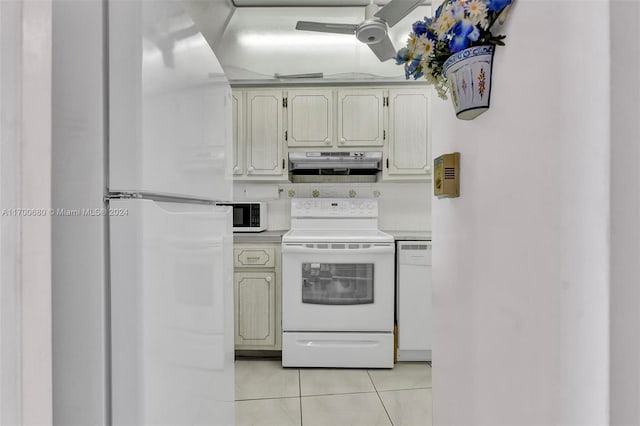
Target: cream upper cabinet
265, 156
309, 117
360, 117
237, 114
408, 153
270, 122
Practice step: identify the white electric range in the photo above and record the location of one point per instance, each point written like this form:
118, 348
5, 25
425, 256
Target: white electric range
337, 286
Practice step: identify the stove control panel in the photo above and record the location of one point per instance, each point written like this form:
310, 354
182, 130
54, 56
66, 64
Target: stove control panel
334, 207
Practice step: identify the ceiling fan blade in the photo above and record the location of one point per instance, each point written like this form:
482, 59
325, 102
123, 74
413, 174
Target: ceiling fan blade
326, 28
395, 10
384, 49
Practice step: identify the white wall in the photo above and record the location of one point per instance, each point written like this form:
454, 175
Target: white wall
36, 231
79, 348
25, 184
10, 187
403, 206
625, 212
521, 258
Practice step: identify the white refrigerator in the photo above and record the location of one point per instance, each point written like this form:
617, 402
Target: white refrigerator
142, 268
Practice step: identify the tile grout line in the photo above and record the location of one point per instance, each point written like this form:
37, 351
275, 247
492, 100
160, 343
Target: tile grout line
379, 397
404, 389
264, 398
300, 394
337, 394
261, 398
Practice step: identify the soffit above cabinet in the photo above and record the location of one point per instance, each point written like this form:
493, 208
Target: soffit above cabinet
260, 42
268, 3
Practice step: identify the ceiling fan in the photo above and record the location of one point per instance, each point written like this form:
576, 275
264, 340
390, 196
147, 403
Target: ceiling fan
373, 31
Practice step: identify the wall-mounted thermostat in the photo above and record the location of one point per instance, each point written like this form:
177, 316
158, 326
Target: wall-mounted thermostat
446, 175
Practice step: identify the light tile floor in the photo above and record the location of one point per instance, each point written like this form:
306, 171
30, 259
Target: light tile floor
267, 394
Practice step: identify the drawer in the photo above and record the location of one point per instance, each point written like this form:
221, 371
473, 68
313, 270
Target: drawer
254, 257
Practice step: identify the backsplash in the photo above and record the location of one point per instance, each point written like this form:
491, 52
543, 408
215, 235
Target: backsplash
402, 206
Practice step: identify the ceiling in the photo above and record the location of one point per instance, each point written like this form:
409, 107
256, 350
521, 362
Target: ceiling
259, 42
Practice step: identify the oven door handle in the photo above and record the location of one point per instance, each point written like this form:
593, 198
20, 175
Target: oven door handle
373, 249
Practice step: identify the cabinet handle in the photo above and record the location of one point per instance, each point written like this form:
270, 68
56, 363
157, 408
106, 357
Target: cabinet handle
267, 279
387, 163
384, 135
283, 164
253, 258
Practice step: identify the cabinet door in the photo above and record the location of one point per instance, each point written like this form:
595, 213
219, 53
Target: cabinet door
255, 303
408, 148
265, 156
237, 115
310, 117
360, 117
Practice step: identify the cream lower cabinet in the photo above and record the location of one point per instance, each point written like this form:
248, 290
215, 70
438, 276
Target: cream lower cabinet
257, 295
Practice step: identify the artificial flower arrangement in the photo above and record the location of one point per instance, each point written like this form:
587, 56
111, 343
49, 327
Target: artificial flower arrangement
456, 25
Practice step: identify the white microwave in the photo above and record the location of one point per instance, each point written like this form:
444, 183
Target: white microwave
248, 216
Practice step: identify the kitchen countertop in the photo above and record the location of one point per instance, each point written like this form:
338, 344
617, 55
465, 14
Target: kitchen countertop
276, 236
409, 235
259, 237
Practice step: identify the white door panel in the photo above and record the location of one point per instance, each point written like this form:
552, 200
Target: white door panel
169, 105
171, 313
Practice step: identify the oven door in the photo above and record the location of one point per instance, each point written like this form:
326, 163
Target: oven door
337, 287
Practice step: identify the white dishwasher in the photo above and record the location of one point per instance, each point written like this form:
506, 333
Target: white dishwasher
413, 300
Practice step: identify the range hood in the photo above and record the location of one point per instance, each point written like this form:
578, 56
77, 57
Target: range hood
334, 166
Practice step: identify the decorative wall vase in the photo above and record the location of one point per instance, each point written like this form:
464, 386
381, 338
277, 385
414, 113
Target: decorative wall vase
468, 73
